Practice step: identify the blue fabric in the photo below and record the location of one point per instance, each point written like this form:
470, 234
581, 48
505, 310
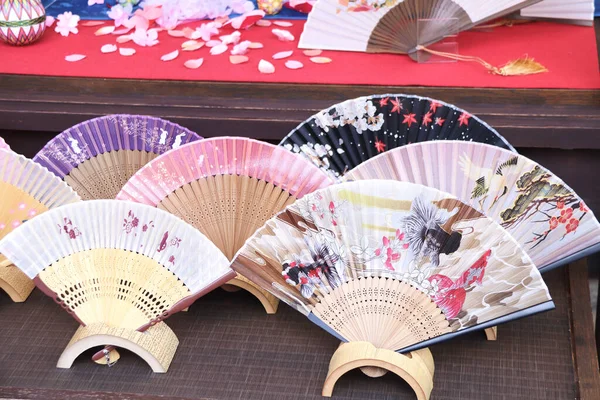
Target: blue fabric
98, 11
597, 8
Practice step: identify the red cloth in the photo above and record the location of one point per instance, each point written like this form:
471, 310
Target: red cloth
569, 53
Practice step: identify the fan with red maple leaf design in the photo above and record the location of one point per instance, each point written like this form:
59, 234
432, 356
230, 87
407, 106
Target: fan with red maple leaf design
343, 136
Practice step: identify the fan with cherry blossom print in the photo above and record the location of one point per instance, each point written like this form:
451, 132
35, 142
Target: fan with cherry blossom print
549, 220
3, 144
227, 187
343, 136
395, 264
98, 156
27, 189
119, 268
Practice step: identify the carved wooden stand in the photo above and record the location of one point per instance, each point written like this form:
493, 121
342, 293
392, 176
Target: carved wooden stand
14, 282
416, 368
268, 301
156, 346
492, 333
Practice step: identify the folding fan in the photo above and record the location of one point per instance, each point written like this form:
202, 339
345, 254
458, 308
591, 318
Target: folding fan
552, 224
119, 268
341, 137
98, 156
573, 11
3, 144
395, 264
396, 26
27, 189
227, 188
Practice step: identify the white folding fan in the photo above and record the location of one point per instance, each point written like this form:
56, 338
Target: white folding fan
119, 268
572, 11
227, 188
27, 189
395, 264
98, 156
552, 224
395, 26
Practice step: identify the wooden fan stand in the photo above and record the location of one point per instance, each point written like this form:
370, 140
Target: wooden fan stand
14, 282
156, 346
416, 367
269, 302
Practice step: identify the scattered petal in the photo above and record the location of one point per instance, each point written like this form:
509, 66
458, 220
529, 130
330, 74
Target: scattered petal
220, 49
74, 57
320, 60
170, 56
176, 33
194, 64
123, 39
108, 48
293, 64
238, 59
90, 23
284, 24
49, 21
312, 53
282, 54
207, 30
241, 48
255, 45
213, 43
193, 47
233, 38
137, 22
266, 67
191, 33
105, 30
121, 31
263, 22
283, 35
126, 51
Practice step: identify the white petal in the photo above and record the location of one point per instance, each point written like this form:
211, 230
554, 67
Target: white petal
321, 60
263, 22
126, 51
176, 33
108, 48
213, 43
74, 57
194, 64
282, 54
266, 67
284, 24
105, 30
283, 35
293, 64
255, 45
170, 56
312, 53
220, 49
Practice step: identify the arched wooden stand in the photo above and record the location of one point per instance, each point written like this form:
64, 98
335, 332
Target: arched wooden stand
492, 333
268, 301
156, 346
416, 368
14, 282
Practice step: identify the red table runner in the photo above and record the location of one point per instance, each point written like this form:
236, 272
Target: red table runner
569, 53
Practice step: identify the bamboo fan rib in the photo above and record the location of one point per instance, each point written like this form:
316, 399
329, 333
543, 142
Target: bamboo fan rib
27, 189
394, 26
115, 262
420, 255
552, 224
98, 156
343, 136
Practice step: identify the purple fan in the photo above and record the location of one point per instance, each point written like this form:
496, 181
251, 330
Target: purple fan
97, 157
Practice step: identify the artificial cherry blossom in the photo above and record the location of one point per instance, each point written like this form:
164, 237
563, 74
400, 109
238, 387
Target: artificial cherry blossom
233, 38
145, 38
207, 30
120, 13
67, 23
241, 48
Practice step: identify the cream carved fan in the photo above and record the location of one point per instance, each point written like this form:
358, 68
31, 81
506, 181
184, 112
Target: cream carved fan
396, 26
551, 223
27, 189
227, 188
98, 156
119, 268
392, 267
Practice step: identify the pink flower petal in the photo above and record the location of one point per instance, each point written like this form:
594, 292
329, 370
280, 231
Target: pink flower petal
238, 59
121, 31
213, 43
126, 51
193, 47
123, 39
266, 67
283, 35
282, 54
90, 23
176, 33
74, 57
312, 53
49, 21
108, 48
150, 12
321, 60
293, 64
170, 56
194, 64
220, 49
191, 33
263, 22
105, 30
255, 45
284, 24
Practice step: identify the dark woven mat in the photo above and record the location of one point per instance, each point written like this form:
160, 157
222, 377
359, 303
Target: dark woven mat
230, 349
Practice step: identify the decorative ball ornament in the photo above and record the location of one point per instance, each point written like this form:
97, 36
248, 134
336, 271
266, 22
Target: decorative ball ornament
21, 21
270, 7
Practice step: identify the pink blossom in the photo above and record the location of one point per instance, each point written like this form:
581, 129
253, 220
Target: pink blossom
67, 23
92, 2
145, 38
241, 49
120, 14
49, 21
241, 6
207, 30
